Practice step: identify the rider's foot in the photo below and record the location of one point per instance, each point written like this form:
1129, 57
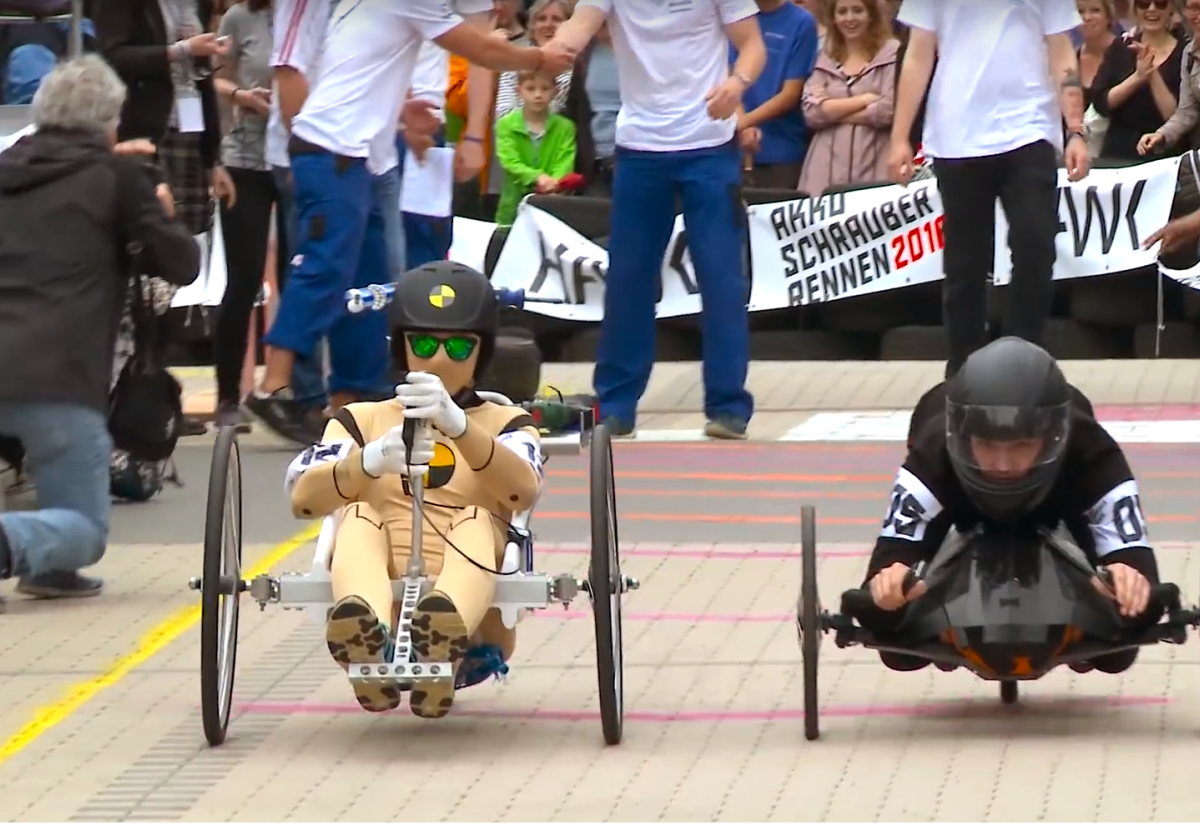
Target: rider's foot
356, 636
439, 635
1082, 667
60, 584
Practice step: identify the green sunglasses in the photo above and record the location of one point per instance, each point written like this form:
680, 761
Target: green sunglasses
458, 347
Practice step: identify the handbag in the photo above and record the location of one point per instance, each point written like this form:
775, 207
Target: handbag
145, 410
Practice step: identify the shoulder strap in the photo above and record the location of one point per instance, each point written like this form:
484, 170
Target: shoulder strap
346, 419
145, 330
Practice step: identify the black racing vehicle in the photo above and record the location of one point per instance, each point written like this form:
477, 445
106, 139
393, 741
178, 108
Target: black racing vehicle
1007, 609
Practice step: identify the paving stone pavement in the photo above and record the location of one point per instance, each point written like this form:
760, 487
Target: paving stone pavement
95, 728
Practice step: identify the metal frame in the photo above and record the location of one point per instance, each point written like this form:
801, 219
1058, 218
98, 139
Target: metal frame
1171, 629
518, 592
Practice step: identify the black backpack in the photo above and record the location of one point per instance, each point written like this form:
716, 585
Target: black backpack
145, 413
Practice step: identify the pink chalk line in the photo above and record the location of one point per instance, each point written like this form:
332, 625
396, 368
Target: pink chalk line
765, 551
949, 710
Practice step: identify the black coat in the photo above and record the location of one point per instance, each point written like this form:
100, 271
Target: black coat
133, 39
64, 270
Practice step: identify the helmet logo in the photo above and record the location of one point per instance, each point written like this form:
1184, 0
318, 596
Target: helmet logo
441, 296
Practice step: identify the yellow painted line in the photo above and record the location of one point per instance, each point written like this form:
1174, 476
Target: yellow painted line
167, 631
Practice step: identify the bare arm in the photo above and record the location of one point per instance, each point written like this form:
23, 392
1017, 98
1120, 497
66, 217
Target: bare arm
480, 85
746, 37
784, 102
914, 81
483, 50
1064, 68
293, 91
579, 29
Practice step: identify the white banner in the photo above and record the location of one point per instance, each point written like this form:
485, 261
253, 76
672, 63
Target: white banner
839, 246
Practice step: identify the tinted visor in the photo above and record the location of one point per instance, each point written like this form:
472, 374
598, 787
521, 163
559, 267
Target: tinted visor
982, 437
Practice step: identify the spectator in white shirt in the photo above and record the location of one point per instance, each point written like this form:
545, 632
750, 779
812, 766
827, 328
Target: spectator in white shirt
678, 52
344, 135
1006, 77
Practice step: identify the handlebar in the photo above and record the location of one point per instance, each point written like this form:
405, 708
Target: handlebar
378, 296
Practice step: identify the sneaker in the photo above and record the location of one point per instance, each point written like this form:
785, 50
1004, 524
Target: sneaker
725, 428
60, 584
618, 428
281, 414
231, 414
439, 634
356, 636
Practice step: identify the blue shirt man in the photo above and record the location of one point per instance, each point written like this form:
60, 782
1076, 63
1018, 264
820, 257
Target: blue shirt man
676, 138
773, 126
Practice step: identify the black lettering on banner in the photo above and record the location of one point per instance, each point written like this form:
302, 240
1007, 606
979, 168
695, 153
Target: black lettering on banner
573, 273
1127, 519
790, 218
1105, 213
905, 513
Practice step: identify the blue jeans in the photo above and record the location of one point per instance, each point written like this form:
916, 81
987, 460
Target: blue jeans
428, 238
341, 244
308, 374
643, 215
67, 452
387, 192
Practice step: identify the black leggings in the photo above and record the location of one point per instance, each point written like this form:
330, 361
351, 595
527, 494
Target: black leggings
247, 230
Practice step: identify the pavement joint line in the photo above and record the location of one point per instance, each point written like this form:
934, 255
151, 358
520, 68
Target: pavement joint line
47, 717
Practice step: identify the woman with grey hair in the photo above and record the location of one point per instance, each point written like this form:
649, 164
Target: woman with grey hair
71, 205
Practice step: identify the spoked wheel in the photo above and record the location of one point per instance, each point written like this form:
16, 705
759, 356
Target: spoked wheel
221, 586
1008, 692
605, 587
808, 615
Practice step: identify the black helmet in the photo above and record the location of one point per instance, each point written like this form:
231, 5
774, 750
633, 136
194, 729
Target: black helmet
1010, 390
448, 297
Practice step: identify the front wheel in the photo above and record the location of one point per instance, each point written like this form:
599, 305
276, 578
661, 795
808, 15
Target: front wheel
605, 587
809, 618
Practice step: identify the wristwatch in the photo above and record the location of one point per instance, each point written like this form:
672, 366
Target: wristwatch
1076, 133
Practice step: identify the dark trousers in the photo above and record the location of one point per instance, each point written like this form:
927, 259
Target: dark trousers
1025, 181
247, 228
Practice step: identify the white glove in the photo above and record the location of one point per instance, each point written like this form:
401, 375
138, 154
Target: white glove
425, 398
387, 455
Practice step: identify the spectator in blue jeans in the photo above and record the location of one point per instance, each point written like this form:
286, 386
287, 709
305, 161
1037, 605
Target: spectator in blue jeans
690, 150
70, 208
772, 127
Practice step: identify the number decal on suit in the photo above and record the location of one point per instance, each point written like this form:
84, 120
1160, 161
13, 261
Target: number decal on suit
905, 514
1128, 521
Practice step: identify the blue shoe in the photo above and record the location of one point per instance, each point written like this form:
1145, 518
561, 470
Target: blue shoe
481, 663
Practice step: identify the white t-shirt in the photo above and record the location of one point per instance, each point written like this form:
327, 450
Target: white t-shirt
992, 91
370, 55
670, 55
432, 75
299, 31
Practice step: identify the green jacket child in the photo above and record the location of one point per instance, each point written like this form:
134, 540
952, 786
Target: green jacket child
525, 160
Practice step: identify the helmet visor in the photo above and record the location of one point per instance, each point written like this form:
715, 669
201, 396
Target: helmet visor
1005, 444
